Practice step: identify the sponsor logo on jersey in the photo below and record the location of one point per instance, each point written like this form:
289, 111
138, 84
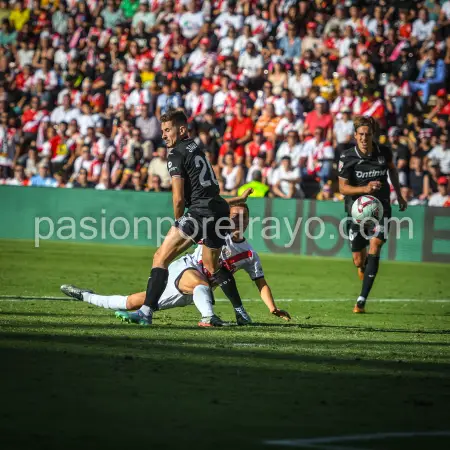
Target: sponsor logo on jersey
191, 147
341, 165
169, 164
371, 173
381, 160
172, 169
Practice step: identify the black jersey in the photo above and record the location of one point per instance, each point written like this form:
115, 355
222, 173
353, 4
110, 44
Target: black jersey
188, 161
360, 169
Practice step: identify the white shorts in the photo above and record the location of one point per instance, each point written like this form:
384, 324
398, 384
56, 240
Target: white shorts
172, 297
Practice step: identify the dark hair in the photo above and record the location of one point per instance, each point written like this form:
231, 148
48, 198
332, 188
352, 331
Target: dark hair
176, 116
361, 121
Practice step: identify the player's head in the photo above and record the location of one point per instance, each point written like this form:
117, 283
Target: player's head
365, 128
174, 127
239, 216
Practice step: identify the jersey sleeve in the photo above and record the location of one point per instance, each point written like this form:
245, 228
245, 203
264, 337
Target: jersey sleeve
254, 267
175, 165
344, 167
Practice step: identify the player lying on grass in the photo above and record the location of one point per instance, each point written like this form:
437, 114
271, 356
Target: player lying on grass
363, 170
186, 274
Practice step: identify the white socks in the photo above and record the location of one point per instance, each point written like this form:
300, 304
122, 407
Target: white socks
106, 301
361, 300
203, 300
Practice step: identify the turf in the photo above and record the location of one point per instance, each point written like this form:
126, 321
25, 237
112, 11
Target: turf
73, 377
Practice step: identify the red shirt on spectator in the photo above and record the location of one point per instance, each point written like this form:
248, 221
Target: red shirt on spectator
313, 121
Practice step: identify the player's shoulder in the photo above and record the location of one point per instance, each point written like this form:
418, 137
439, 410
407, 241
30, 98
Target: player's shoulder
349, 153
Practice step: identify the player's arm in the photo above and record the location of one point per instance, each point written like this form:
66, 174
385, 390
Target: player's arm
178, 196
266, 295
345, 188
175, 165
393, 175
240, 199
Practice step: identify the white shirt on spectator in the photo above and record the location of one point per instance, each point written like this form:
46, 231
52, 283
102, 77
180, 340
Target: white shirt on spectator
285, 175
252, 64
86, 121
199, 61
81, 163
226, 46
294, 153
50, 79
342, 130
61, 58
285, 125
197, 104
294, 105
422, 30
441, 155
260, 27
191, 23
241, 43
445, 8
300, 86
25, 57
60, 114
225, 19
138, 97
438, 199
321, 150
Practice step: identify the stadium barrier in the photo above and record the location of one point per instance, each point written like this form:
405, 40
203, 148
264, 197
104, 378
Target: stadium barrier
278, 226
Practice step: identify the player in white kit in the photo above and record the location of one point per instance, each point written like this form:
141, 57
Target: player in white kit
187, 283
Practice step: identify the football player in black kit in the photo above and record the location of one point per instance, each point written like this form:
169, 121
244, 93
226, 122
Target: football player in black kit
363, 169
195, 187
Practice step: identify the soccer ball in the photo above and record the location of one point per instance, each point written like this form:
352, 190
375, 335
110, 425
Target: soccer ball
367, 207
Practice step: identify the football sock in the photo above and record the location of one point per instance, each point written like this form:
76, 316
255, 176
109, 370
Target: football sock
106, 301
224, 278
155, 287
370, 273
203, 300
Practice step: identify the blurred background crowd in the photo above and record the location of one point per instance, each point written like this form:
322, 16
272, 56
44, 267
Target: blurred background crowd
270, 87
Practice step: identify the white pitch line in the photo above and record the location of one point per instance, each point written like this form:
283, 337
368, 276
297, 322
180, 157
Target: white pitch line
300, 300
312, 442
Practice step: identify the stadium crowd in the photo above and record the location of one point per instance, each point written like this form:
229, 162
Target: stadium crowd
270, 87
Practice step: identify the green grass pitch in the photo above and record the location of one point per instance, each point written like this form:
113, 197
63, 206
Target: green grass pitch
73, 377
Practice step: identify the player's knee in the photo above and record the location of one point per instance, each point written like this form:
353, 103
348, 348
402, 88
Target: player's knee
375, 247
358, 259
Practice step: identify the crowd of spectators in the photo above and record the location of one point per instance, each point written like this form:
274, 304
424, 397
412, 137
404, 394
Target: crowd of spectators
270, 88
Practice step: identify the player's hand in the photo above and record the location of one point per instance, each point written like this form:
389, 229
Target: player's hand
373, 186
281, 314
402, 203
246, 193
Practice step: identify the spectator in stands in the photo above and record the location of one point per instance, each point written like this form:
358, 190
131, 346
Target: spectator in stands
343, 131
319, 118
441, 154
416, 180
158, 166
43, 179
431, 76
286, 180
317, 157
232, 175
291, 148
259, 188
441, 197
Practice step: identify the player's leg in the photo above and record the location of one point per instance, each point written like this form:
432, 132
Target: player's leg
174, 244
373, 261
88, 296
195, 283
224, 278
360, 261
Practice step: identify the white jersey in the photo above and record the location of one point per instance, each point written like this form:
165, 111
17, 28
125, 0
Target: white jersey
236, 256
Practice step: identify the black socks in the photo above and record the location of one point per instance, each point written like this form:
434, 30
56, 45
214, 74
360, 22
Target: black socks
370, 273
155, 287
224, 278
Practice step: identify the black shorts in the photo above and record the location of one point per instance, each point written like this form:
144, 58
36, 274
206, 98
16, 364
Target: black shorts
359, 241
211, 227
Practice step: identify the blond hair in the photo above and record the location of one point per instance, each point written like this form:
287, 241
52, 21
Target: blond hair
361, 121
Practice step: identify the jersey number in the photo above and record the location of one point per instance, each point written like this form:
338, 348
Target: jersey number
205, 165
